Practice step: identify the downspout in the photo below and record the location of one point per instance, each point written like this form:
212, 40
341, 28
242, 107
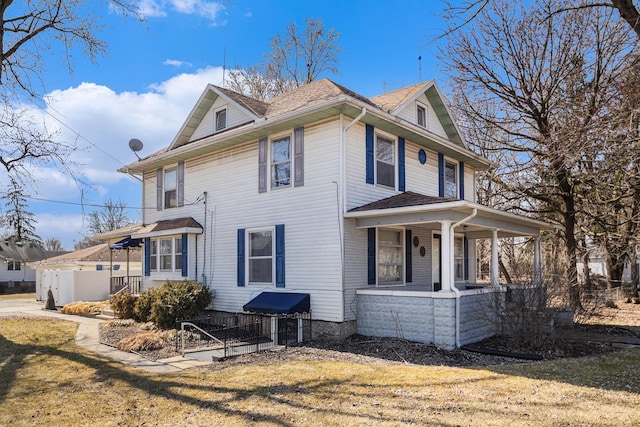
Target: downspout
343, 185
455, 289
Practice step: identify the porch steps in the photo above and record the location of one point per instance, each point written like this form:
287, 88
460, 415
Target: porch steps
107, 314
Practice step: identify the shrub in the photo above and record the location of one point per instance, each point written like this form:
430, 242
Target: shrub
123, 304
81, 307
173, 300
145, 302
145, 341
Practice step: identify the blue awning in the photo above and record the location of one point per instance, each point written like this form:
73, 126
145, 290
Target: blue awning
125, 243
279, 303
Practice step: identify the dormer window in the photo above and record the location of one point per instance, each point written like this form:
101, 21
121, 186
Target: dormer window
421, 114
221, 119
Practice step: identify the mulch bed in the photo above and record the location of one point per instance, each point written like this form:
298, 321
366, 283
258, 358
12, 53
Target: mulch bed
360, 349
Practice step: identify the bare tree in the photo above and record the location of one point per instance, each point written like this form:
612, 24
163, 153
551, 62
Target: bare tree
550, 80
295, 59
30, 27
111, 216
53, 244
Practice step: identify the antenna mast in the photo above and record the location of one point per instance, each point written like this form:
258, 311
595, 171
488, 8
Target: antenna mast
224, 65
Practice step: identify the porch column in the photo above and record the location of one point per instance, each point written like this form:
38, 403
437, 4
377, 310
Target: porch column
495, 268
537, 261
446, 260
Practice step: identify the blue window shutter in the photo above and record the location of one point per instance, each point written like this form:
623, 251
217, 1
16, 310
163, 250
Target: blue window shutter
461, 180
371, 256
466, 258
159, 184
370, 154
440, 175
408, 262
147, 257
401, 174
280, 256
298, 157
241, 258
262, 165
180, 184
185, 257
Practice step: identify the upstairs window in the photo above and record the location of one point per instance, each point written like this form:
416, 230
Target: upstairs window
450, 180
385, 162
14, 265
421, 114
221, 119
170, 188
281, 162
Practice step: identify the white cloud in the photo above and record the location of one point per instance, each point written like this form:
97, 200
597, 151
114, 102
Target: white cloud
177, 63
203, 8
65, 227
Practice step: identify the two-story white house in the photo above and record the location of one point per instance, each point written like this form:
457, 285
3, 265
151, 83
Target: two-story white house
366, 207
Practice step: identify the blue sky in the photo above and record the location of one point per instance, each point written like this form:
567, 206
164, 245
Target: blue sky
155, 71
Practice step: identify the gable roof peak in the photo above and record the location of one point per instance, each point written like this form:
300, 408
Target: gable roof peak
392, 101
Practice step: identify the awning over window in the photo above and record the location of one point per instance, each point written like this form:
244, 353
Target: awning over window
168, 227
279, 303
125, 243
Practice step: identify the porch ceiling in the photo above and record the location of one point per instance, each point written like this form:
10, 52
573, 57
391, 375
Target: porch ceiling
479, 227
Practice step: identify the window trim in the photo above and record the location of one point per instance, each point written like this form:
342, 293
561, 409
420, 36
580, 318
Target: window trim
248, 257
176, 248
421, 106
456, 165
403, 266
271, 163
394, 143
215, 118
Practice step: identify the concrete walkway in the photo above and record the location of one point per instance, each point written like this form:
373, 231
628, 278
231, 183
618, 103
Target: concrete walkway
87, 337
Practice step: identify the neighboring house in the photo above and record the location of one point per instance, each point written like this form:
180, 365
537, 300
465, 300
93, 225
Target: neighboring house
86, 274
17, 272
366, 206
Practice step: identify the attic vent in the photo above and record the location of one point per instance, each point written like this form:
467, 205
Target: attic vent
221, 119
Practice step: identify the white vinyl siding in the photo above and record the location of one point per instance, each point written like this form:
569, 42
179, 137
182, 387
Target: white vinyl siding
310, 213
410, 114
469, 183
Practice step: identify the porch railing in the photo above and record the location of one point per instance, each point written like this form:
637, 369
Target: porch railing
118, 283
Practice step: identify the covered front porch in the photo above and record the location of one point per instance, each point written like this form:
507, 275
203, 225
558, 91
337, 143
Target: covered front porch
422, 268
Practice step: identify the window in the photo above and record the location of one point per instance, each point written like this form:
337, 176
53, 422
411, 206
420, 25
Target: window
390, 256
385, 162
14, 265
260, 256
166, 254
458, 259
170, 188
221, 119
281, 162
450, 180
421, 115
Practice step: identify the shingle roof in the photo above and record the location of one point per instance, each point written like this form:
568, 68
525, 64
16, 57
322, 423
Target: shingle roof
258, 108
402, 200
310, 94
15, 251
392, 100
169, 224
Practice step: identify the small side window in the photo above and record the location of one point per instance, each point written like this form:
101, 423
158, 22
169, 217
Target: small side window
170, 188
421, 115
221, 119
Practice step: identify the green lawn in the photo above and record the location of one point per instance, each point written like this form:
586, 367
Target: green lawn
46, 380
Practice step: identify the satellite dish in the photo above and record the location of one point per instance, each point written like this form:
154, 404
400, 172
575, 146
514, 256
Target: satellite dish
135, 145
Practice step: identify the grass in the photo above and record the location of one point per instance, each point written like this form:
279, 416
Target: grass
45, 379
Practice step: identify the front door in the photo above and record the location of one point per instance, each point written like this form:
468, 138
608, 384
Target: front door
436, 263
